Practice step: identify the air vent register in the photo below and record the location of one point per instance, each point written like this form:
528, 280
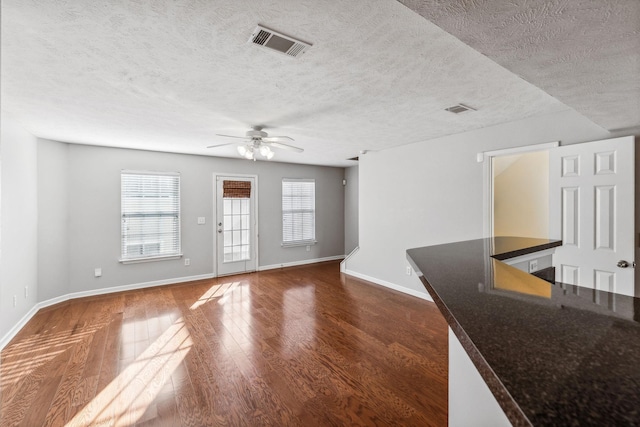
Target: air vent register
270, 39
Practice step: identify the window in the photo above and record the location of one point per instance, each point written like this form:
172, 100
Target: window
150, 204
298, 212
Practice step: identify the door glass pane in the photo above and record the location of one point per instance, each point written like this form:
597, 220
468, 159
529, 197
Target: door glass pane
228, 255
237, 241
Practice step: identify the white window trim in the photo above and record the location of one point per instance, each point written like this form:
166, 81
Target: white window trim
161, 257
150, 259
298, 243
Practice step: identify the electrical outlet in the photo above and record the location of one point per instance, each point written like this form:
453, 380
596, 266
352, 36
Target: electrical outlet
187, 261
97, 272
408, 271
201, 220
15, 300
308, 248
533, 265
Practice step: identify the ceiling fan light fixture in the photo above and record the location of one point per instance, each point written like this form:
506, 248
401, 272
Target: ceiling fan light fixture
258, 143
248, 153
265, 150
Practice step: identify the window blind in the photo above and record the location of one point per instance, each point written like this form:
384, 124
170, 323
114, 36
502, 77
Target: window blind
150, 205
298, 211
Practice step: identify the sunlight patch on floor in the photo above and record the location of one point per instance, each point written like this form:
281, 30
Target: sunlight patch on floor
129, 395
18, 362
214, 292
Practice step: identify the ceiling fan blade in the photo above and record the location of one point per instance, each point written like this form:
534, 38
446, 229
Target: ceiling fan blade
277, 138
221, 145
284, 146
231, 136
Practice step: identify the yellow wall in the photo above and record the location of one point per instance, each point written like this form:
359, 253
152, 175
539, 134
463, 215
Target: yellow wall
521, 195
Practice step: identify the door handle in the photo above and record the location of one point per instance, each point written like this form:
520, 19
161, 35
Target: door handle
624, 264
220, 231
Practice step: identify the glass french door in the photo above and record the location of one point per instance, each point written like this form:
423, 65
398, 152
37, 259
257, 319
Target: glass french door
236, 233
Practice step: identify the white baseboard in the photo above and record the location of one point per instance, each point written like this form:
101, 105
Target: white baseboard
423, 295
103, 291
343, 264
303, 262
135, 286
16, 328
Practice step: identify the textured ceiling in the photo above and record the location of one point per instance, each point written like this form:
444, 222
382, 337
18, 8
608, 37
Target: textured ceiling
168, 75
585, 53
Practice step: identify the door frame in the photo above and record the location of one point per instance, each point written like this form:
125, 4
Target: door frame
256, 234
486, 157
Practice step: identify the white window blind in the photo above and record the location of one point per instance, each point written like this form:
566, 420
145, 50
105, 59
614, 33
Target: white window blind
298, 211
150, 204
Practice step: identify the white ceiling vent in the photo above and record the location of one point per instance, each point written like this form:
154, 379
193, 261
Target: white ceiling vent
459, 108
279, 42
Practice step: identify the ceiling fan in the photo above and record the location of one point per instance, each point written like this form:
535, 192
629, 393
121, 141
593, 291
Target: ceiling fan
258, 141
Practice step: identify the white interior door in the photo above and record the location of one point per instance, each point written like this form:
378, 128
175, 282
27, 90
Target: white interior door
236, 226
592, 211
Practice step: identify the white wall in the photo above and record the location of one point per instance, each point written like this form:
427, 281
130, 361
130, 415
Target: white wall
92, 191
471, 402
432, 192
18, 223
351, 209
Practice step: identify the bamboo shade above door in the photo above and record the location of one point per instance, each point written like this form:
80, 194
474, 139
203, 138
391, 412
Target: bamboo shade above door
236, 189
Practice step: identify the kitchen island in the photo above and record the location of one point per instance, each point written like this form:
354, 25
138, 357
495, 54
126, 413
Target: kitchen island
550, 354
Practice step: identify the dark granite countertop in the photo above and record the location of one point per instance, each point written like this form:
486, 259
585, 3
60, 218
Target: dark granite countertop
552, 354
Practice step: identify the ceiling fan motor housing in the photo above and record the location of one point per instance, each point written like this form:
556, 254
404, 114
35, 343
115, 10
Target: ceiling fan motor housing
256, 134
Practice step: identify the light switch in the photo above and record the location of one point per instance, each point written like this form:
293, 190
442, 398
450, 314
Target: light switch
97, 272
201, 220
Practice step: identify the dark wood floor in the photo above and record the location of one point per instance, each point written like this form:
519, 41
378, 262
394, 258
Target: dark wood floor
301, 346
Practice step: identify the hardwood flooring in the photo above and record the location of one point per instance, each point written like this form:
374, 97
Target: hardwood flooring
301, 346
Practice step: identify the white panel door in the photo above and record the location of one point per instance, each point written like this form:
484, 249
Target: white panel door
592, 211
236, 229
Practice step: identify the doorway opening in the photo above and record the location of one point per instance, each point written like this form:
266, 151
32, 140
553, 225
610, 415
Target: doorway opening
236, 249
515, 179
521, 194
